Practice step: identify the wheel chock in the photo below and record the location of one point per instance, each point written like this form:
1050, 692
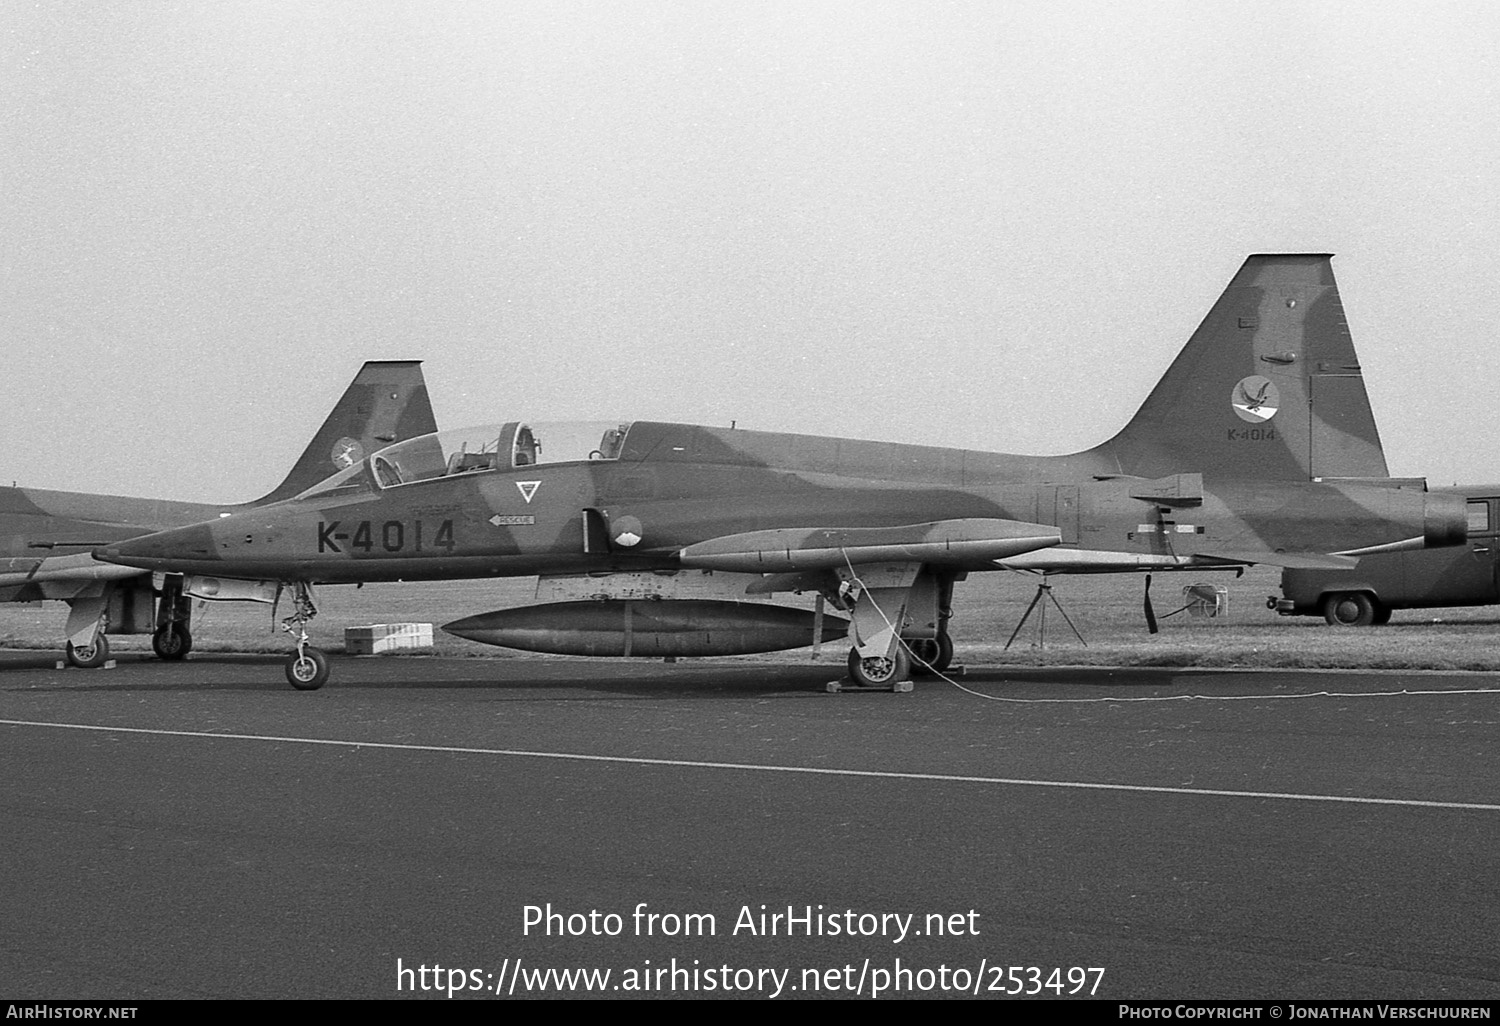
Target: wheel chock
836, 687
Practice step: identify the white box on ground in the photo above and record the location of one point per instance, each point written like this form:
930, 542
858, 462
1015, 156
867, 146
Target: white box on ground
387, 637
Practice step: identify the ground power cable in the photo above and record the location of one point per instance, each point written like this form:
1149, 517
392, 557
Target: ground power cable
1149, 698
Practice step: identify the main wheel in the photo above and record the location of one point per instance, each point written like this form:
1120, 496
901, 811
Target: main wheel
924, 654
944, 654
91, 655
308, 671
1350, 609
172, 641
881, 671
931, 655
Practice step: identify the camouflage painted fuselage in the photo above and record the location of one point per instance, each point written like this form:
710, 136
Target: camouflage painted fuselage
1257, 446
675, 485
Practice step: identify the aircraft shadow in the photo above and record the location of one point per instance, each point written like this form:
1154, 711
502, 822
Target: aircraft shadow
556, 678
641, 682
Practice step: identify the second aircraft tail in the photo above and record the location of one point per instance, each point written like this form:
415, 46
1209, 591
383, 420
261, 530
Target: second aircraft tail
386, 402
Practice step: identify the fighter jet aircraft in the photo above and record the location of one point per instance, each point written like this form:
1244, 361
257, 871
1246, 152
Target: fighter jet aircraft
1257, 446
46, 536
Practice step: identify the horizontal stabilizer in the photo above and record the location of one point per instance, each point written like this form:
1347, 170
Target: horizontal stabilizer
976, 540
1415, 483
1404, 545
1288, 560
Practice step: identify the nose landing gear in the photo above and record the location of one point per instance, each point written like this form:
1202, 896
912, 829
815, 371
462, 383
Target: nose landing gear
307, 668
173, 639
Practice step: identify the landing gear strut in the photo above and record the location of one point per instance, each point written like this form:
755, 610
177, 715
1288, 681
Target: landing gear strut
307, 668
172, 640
88, 616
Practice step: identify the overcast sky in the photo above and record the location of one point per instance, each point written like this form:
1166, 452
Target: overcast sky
989, 225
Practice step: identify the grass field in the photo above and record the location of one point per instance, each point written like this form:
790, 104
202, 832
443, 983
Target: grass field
1106, 609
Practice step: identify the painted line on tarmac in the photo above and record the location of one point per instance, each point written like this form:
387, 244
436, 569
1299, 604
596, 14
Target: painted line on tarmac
1403, 693
765, 768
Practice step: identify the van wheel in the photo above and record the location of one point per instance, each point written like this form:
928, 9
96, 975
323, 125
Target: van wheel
1382, 614
1350, 609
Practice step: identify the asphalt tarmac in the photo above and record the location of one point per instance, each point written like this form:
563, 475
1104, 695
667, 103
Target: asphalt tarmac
202, 830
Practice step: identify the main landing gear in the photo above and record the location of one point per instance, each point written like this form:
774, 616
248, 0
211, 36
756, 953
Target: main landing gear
919, 656
888, 603
932, 655
307, 668
91, 655
173, 640
88, 616
879, 671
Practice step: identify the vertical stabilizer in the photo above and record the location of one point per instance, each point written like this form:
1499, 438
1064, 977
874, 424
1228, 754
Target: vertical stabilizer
387, 402
1268, 387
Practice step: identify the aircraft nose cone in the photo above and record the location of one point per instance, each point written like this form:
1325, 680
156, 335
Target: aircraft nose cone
159, 551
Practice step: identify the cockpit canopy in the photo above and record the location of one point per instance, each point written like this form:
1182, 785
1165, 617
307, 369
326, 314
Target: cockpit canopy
472, 450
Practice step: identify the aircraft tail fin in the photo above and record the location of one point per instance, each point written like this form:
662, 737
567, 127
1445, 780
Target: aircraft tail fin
1268, 387
387, 402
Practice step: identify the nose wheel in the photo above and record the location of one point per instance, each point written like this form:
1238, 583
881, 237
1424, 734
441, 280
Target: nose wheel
307, 668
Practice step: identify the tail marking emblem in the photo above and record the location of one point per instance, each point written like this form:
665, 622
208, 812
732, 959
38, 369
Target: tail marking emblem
347, 452
1255, 399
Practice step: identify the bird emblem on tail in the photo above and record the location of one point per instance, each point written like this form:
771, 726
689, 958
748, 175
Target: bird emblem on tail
1255, 399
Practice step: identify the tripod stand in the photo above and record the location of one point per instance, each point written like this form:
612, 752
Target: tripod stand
1043, 588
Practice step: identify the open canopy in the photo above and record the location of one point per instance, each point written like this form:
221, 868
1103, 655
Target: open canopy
478, 449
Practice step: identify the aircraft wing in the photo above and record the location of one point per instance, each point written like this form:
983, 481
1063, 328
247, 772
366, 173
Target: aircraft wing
30, 578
